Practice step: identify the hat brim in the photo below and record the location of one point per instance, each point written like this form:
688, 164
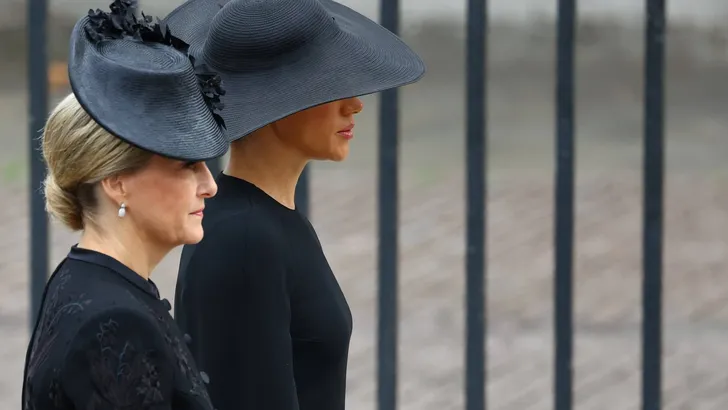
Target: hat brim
144, 94
362, 58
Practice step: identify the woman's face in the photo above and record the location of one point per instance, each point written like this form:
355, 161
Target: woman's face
164, 200
322, 132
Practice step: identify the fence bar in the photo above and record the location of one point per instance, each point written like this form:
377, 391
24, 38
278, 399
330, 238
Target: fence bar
653, 205
38, 110
564, 206
388, 234
475, 351
303, 203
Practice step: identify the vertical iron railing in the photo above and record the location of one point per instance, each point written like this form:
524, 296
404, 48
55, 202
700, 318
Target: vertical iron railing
564, 207
38, 110
475, 350
654, 169
388, 230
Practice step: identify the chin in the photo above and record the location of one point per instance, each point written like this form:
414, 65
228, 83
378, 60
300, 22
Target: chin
339, 156
193, 236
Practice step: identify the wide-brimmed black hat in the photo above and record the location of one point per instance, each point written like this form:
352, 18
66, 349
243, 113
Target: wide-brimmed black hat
136, 80
278, 57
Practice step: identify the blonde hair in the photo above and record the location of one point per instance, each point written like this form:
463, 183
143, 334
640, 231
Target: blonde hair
79, 154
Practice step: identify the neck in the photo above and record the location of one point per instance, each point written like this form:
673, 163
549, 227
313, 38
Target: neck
264, 161
128, 248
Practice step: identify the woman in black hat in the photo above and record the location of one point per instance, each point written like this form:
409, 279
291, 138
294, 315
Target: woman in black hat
125, 155
265, 313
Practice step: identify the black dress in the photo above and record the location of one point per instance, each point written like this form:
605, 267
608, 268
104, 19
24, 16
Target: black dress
269, 320
104, 340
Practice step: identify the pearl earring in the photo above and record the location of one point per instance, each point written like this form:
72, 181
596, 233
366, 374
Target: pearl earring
122, 210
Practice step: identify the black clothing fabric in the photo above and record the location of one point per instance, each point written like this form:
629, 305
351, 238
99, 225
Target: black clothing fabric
269, 321
104, 340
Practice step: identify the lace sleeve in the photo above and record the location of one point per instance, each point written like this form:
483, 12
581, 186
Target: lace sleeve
117, 361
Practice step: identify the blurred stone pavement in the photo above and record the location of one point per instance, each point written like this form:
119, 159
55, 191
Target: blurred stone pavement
520, 232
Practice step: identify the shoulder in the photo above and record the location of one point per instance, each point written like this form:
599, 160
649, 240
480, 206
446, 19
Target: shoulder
98, 282
118, 326
77, 294
249, 231
242, 249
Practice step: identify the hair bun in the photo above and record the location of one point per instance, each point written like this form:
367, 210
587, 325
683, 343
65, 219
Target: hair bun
62, 204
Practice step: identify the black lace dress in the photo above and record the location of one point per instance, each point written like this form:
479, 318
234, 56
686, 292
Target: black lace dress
104, 340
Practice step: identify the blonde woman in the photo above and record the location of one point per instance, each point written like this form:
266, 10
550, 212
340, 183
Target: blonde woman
125, 155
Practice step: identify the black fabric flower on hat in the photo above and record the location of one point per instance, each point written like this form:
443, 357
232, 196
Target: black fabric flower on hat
122, 23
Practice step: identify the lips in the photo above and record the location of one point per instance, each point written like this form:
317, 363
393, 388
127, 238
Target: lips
347, 132
198, 212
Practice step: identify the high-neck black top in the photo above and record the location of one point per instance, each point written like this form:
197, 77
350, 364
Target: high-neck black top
268, 320
104, 340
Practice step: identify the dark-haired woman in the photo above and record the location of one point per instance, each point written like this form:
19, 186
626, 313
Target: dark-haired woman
267, 318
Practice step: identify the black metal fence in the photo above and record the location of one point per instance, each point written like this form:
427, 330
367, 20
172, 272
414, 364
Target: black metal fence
38, 83
476, 149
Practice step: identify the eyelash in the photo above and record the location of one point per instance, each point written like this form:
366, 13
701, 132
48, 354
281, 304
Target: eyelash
191, 164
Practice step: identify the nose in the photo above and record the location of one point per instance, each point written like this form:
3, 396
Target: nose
353, 106
208, 186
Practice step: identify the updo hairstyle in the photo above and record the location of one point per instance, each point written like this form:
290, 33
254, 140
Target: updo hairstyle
79, 154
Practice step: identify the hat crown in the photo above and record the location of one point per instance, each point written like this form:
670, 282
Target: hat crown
252, 34
131, 66
136, 71
146, 93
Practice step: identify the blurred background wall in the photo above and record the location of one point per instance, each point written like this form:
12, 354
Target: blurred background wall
702, 12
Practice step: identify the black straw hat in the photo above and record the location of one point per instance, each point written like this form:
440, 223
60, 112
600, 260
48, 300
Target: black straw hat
278, 57
137, 81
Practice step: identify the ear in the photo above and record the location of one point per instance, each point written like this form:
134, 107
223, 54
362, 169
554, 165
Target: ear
114, 188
